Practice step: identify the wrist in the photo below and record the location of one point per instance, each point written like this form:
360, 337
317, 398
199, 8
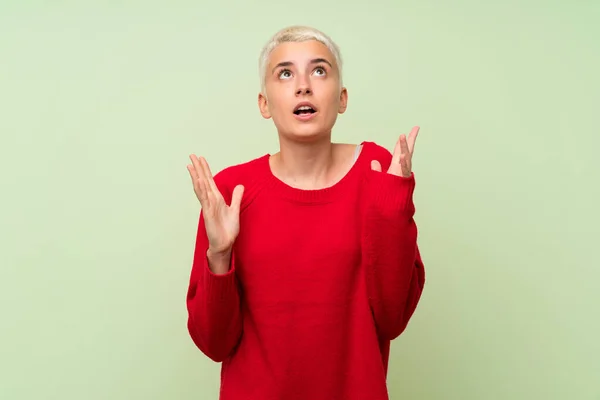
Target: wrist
391, 194
219, 261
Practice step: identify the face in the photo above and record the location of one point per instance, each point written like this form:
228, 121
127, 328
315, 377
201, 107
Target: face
302, 91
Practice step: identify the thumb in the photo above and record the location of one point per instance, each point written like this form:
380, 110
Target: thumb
236, 197
375, 166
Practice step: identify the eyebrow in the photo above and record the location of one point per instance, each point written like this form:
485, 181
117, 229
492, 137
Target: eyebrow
313, 61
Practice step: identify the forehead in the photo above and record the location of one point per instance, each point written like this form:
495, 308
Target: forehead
300, 52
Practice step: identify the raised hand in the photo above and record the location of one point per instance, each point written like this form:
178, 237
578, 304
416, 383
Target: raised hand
401, 164
222, 222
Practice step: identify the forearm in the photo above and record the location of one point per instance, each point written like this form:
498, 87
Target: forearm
214, 319
395, 272
213, 302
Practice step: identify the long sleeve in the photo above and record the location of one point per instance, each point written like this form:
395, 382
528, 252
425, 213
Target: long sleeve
213, 303
394, 269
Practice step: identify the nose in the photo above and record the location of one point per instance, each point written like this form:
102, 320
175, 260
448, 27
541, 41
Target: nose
303, 90
303, 86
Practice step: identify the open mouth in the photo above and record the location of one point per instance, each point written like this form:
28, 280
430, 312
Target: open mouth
304, 110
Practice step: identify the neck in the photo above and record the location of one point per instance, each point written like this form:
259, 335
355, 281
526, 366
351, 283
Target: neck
304, 164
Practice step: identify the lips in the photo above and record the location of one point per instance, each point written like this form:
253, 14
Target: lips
305, 109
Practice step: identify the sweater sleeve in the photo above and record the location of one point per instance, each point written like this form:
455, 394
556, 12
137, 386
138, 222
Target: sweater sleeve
394, 268
213, 303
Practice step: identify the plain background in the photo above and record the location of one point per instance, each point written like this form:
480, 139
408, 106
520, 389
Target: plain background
101, 104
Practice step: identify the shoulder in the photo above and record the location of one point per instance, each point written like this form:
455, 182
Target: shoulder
373, 151
248, 174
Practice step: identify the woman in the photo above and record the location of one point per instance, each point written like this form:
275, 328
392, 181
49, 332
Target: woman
306, 262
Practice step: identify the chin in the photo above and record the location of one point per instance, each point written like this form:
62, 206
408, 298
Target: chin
312, 130
308, 133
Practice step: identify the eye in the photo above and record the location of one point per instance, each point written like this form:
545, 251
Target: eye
285, 74
320, 71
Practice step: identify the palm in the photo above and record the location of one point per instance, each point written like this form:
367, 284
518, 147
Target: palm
401, 164
222, 222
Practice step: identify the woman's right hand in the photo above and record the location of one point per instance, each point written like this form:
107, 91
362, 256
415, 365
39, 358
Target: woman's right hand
222, 222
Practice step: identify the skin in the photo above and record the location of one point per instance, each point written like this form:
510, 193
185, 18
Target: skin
299, 72
307, 159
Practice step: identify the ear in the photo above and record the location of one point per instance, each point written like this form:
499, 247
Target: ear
343, 100
263, 106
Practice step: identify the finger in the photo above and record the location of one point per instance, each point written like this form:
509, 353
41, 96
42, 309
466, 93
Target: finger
193, 174
208, 176
412, 138
405, 165
236, 198
403, 146
201, 187
197, 173
375, 166
203, 193
197, 167
397, 152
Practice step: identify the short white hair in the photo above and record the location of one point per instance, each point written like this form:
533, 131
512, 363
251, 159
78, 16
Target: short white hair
296, 33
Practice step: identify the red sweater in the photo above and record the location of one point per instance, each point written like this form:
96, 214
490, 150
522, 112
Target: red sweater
320, 282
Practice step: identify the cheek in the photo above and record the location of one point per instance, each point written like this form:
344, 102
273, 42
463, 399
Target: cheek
334, 102
275, 110
275, 100
281, 105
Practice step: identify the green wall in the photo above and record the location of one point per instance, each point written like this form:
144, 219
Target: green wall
100, 106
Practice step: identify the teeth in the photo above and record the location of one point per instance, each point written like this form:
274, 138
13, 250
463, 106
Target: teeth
304, 108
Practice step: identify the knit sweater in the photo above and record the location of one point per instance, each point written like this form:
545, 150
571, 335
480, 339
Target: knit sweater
320, 282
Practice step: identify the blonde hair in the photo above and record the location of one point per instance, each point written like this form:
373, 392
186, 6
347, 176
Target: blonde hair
296, 33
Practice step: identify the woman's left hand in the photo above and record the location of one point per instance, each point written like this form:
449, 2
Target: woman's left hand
401, 164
